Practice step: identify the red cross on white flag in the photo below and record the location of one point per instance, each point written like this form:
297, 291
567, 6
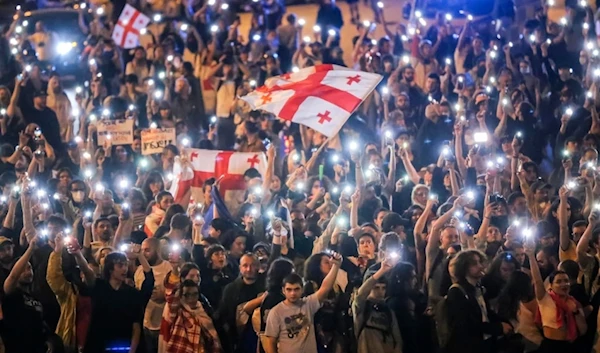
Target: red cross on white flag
127, 29
321, 97
206, 164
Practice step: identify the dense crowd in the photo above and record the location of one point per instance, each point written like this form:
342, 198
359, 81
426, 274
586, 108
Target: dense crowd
458, 209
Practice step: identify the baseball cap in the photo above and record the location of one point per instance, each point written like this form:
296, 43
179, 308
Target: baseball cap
392, 220
481, 97
40, 93
4, 240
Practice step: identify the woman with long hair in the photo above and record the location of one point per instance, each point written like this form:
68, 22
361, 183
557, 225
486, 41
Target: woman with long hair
153, 184
516, 304
409, 306
279, 269
498, 274
329, 324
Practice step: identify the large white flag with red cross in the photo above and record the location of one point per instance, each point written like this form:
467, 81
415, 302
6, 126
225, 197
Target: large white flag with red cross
321, 97
201, 165
127, 29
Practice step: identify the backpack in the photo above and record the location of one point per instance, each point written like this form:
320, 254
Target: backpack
441, 318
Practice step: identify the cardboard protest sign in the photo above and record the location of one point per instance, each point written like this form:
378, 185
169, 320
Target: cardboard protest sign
155, 140
119, 132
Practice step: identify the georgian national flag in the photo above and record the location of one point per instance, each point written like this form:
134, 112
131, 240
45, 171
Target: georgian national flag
321, 97
127, 29
205, 164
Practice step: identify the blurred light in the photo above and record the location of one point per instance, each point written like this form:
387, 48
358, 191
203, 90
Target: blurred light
418, 14
317, 28
157, 17
224, 6
380, 4
214, 28
100, 11
301, 22
448, 17
331, 32
63, 48
184, 27
295, 69
256, 37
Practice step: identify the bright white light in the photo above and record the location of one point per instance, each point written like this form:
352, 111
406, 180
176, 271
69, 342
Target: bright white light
353, 146
143, 31
105, 112
480, 137
300, 186
63, 48
153, 125
569, 111
405, 59
158, 94
385, 91
295, 69
470, 17
100, 11
256, 37
88, 173
331, 32
184, 27
93, 117
87, 155
185, 141
19, 29
448, 17
366, 23
380, 4
83, 5
92, 62
418, 14
157, 17
162, 75
470, 195
301, 22
316, 28
224, 6
214, 28
124, 183
563, 21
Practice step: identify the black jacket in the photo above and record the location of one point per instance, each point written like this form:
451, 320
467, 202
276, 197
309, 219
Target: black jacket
464, 320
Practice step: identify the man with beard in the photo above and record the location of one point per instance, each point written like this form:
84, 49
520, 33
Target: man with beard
6, 257
240, 298
37, 112
23, 330
104, 232
547, 260
154, 308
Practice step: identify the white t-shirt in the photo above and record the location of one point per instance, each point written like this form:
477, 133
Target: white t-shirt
154, 310
293, 325
225, 98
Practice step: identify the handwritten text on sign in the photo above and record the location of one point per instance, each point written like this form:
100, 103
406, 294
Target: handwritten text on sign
155, 140
119, 132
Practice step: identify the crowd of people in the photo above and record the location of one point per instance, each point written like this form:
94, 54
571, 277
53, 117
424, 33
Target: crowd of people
458, 209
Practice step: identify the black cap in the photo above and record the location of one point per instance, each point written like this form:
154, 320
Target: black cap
40, 93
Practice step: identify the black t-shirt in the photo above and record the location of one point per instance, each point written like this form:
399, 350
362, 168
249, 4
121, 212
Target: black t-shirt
113, 315
23, 328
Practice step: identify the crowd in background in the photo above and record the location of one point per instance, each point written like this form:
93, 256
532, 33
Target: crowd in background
457, 210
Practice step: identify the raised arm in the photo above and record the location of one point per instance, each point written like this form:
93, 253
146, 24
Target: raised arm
536, 276
563, 197
329, 281
13, 278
